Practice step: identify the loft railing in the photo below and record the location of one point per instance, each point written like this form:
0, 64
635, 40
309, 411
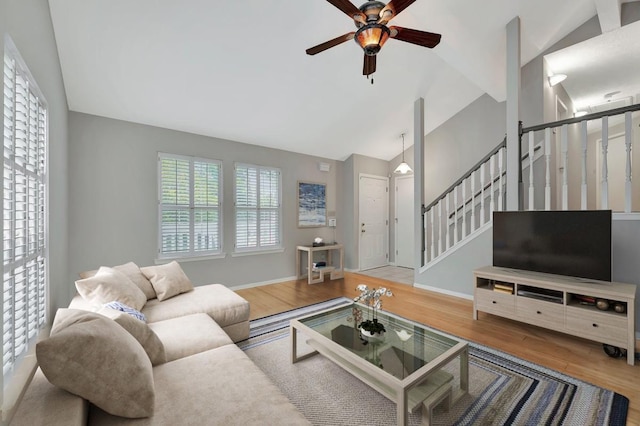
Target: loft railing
588, 163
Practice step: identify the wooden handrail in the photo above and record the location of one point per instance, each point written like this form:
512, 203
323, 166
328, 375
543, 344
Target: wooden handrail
588, 117
466, 175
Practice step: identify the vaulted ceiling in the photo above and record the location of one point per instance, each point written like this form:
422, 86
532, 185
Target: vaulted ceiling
238, 70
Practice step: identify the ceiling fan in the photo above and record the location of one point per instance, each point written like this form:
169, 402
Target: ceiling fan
372, 31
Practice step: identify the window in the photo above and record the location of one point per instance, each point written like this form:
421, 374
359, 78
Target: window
190, 206
24, 212
257, 203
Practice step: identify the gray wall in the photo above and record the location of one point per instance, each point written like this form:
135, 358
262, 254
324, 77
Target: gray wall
28, 23
458, 144
625, 235
456, 270
113, 198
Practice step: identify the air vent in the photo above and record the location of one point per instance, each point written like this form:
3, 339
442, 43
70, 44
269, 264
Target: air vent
612, 104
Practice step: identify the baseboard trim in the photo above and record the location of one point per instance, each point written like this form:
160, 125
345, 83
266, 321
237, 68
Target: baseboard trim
443, 291
261, 283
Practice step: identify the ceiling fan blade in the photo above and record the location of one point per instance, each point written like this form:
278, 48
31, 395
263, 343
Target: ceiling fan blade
350, 9
328, 44
369, 65
421, 38
393, 9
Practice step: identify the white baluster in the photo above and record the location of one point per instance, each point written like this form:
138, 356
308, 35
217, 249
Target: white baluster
547, 162
501, 183
455, 215
565, 166
482, 185
492, 174
433, 234
464, 209
447, 222
440, 227
583, 188
604, 195
473, 201
627, 141
425, 246
531, 152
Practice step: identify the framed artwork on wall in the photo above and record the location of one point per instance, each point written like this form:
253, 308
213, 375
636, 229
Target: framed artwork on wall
312, 205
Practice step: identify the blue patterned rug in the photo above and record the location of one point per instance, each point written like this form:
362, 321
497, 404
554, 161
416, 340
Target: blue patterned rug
504, 390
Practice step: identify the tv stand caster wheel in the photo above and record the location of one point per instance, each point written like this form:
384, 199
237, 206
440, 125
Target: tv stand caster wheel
613, 351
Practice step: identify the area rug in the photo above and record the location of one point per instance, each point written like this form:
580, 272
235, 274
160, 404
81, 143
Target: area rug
503, 390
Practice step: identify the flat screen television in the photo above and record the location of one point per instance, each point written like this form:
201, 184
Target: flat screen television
574, 243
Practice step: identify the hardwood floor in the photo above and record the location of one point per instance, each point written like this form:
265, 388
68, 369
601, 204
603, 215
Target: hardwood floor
576, 357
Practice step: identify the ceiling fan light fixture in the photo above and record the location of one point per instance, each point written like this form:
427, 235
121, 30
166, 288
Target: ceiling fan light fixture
372, 37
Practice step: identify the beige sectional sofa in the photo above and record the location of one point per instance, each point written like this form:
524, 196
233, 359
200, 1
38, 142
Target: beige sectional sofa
182, 367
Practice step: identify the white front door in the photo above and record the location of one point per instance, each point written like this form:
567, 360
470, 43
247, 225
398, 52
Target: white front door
404, 221
374, 221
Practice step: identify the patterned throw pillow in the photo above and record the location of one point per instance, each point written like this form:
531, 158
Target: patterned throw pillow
119, 306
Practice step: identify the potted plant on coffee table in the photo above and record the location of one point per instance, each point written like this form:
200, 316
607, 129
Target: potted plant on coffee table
371, 328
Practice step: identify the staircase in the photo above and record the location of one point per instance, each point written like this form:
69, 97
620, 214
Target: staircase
576, 164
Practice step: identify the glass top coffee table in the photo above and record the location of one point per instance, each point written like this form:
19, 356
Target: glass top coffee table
411, 364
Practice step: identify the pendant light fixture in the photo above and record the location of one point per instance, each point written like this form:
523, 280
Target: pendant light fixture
403, 168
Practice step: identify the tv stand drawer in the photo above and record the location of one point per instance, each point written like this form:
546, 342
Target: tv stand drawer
600, 326
494, 302
538, 312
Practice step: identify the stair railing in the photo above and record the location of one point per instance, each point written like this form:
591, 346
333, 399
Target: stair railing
466, 206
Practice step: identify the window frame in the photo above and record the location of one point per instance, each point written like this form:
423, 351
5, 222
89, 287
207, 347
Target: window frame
258, 248
192, 254
23, 363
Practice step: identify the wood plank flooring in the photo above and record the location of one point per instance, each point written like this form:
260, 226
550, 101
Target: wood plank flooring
571, 355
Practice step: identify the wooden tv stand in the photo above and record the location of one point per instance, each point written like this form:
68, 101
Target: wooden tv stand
558, 303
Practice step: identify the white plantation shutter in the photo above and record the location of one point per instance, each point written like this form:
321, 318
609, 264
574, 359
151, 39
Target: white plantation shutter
24, 212
190, 201
257, 203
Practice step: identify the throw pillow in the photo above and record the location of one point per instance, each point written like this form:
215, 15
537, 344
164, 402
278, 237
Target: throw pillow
147, 338
119, 306
132, 271
167, 280
93, 357
109, 285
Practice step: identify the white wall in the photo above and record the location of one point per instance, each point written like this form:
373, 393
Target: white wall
28, 23
113, 198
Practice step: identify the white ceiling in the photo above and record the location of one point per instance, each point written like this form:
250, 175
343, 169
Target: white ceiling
601, 70
238, 70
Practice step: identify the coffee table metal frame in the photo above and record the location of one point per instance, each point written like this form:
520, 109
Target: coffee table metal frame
385, 383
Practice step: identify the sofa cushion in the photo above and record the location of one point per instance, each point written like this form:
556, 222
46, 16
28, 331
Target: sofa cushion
44, 404
225, 306
188, 335
167, 280
149, 341
133, 272
221, 386
108, 285
95, 358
